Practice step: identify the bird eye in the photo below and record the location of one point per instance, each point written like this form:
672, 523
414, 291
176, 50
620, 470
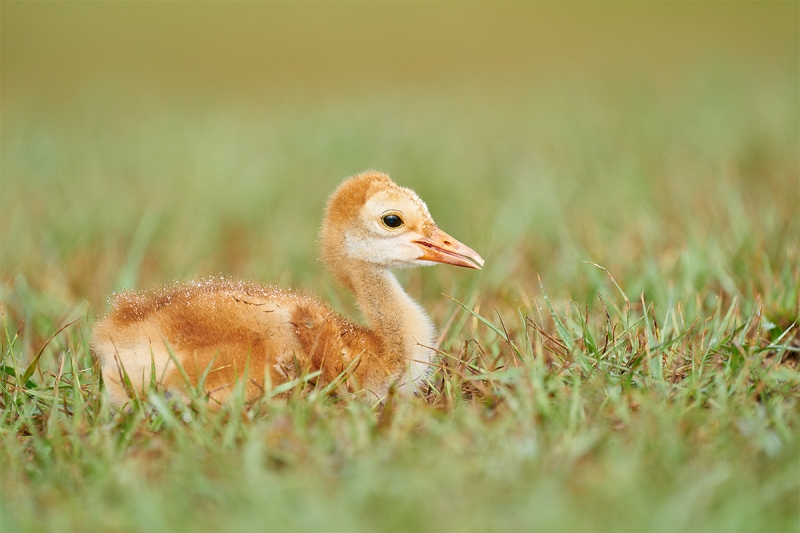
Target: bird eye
392, 221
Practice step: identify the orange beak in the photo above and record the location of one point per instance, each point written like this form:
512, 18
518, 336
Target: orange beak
442, 248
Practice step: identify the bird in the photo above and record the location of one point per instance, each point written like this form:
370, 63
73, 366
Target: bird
212, 334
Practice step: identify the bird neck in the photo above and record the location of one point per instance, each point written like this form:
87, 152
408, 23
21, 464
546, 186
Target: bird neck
405, 328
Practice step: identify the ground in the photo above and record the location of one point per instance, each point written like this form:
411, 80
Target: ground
627, 359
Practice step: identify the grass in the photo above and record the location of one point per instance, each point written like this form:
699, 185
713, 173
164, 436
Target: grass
627, 360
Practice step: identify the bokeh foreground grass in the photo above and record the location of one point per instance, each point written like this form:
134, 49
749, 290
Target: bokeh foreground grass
628, 359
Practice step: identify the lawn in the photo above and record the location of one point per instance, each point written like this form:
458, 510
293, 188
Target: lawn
628, 358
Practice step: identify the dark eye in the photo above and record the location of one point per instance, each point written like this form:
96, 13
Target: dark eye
392, 221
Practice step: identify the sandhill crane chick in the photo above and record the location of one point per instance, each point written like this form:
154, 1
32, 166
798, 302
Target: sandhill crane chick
221, 330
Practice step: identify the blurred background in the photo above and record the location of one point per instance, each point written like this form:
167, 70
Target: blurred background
144, 142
